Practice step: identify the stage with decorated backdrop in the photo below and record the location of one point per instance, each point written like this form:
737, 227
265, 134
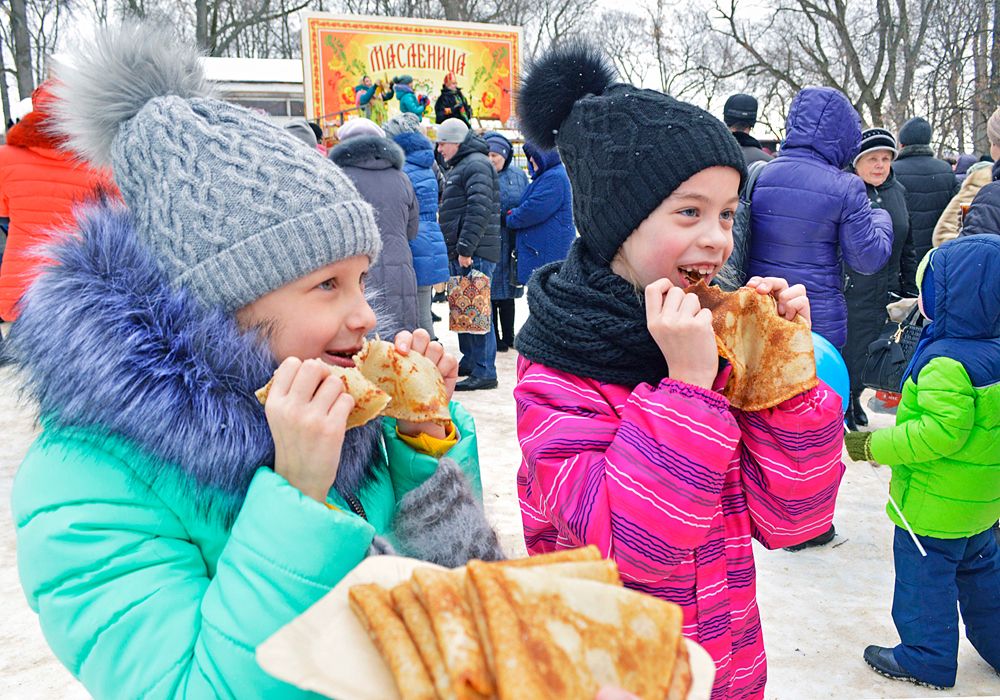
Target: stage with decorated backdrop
338, 50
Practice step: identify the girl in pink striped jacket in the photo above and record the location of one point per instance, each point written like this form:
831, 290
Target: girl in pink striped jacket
626, 442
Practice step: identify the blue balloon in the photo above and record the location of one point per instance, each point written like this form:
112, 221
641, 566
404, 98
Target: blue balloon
831, 369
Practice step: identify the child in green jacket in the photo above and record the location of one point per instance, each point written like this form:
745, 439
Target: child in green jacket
166, 523
945, 457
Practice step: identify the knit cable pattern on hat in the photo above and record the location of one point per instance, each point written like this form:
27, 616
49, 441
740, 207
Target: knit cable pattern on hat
229, 204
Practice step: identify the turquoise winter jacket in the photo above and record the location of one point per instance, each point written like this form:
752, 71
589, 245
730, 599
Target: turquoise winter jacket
154, 542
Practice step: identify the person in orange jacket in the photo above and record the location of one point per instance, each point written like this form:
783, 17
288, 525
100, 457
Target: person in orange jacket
39, 186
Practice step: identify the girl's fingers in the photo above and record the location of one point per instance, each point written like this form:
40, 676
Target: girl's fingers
448, 366
798, 306
284, 376
690, 305
307, 379
796, 290
654, 296
403, 342
341, 408
421, 340
327, 394
434, 352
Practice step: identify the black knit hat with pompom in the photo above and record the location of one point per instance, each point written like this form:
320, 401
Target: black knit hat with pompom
625, 149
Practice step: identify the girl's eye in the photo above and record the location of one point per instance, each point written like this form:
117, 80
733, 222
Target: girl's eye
688, 212
328, 285
728, 215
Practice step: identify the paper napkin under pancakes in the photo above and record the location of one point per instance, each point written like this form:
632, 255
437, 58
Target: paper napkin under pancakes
382, 381
554, 626
772, 358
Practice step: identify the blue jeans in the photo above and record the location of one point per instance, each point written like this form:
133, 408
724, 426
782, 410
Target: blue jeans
961, 573
479, 352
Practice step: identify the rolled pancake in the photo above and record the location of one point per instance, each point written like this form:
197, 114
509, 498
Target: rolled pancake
418, 624
772, 358
442, 596
373, 607
680, 683
369, 399
414, 382
555, 637
603, 570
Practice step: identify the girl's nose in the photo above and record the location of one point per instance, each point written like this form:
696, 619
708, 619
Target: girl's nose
362, 317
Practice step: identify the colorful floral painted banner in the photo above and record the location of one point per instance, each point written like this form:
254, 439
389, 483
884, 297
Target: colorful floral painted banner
338, 50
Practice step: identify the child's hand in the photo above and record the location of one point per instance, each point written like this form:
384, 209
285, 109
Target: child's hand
683, 332
420, 342
307, 411
792, 300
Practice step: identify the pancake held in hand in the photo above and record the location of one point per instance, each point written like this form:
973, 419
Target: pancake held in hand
772, 357
369, 400
414, 382
556, 637
373, 607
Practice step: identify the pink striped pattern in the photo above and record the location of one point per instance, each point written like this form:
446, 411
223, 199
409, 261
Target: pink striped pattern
672, 483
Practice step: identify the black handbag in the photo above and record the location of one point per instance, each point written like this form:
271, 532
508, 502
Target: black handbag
889, 356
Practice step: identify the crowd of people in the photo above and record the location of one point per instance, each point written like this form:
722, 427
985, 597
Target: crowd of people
163, 510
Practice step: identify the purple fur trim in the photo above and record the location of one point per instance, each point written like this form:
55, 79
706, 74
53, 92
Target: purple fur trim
104, 342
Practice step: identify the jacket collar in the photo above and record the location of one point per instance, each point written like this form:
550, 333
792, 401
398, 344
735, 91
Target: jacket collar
105, 343
746, 140
369, 152
472, 143
917, 149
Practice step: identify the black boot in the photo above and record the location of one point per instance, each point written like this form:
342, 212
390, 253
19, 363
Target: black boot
860, 417
849, 420
817, 541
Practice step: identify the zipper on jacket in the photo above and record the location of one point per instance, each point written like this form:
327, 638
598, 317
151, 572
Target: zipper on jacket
356, 506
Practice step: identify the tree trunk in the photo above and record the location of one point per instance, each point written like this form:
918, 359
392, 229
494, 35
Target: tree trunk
4, 97
201, 24
453, 10
22, 48
980, 109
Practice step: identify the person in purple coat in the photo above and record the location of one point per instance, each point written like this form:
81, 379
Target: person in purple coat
809, 216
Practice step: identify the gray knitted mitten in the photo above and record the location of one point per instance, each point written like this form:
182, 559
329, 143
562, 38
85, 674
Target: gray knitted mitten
441, 522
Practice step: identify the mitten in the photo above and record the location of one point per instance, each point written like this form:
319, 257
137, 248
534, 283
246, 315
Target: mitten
379, 547
858, 446
441, 521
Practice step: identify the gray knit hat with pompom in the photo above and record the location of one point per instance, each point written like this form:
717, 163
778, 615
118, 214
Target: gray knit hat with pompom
231, 205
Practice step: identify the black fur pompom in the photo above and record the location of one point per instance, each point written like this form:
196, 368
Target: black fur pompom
553, 83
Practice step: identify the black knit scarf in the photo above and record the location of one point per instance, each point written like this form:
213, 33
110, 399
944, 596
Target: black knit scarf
588, 321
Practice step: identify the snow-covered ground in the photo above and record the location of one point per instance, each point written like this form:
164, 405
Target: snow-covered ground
820, 607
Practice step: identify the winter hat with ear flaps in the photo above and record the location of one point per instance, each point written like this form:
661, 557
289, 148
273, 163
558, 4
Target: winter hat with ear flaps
229, 204
625, 149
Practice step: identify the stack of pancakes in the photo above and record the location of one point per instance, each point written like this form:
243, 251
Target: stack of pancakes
554, 626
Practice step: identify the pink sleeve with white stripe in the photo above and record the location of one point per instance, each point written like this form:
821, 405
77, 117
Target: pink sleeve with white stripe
638, 474
790, 465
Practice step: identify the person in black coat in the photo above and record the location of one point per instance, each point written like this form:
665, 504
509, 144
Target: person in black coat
740, 114
984, 212
470, 220
930, 184
867, 295
451, 103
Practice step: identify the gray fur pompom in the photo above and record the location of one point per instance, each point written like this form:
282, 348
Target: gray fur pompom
110, 80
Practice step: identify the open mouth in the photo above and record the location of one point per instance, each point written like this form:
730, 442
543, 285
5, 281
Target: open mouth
341, 358
695, 273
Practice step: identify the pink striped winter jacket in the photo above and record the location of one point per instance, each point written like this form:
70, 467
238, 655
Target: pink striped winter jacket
671, 482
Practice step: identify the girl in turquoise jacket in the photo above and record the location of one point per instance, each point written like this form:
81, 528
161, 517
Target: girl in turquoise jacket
945, 457
166, 523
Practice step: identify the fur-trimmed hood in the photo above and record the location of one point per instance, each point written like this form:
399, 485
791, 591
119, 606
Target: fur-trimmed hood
369, 152
34, 130
104, 342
